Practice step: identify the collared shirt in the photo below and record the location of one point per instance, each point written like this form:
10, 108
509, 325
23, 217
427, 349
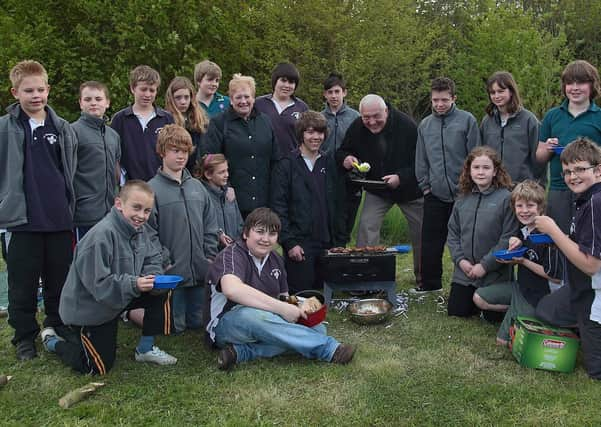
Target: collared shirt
281, 108
46, 193
144, 120
138, 142
586, 232
559, 123
218, 105
259, 263
309, 162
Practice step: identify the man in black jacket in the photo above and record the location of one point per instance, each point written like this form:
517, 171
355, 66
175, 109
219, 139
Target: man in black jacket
303, 194
385, 138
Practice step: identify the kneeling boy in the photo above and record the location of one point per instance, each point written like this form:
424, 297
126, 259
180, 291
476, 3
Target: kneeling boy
248, 320
581, 170
539, 265
113, 269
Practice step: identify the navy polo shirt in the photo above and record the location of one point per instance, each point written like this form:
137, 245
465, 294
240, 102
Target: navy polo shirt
236, 259
46, 192
138, 145
586, 231
559, 123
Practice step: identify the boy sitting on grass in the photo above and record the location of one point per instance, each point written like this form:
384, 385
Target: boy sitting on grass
581, 170
113, 269
539, 265
247, 318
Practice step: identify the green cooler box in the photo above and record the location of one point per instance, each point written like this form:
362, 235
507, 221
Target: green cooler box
540, 346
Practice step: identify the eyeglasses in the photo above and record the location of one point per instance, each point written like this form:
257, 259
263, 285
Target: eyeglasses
578, 171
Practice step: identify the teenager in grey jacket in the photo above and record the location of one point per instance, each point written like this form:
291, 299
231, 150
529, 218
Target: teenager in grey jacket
37, 164
113, 269
443, 141
98, 155
13, 206
511, 129
184, 218
481, 223
339, 116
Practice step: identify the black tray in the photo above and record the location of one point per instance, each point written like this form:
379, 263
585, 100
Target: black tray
370, 184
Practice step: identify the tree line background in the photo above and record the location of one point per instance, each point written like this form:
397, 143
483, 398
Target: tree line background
389, 47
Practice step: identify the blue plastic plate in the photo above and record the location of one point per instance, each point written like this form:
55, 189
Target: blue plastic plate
166, 281
508, 255
402, 249
558, 149
540, 238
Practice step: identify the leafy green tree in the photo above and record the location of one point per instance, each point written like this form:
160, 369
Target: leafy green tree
507, 38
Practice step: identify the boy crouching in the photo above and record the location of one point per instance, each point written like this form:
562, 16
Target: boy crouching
113, 269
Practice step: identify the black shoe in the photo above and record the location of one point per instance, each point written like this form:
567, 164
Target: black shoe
344, 354
26, 350
227, 358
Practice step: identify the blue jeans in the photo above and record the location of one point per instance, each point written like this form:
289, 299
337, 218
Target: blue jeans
257, 333
187, 308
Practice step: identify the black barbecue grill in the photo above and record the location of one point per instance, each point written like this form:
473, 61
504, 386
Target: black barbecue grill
360, 271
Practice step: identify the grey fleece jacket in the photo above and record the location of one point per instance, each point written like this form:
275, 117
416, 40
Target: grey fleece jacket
338, 123
102, 278
515, 142
13, 205
98, 153
443, 143
229, 219
185, 220
480, 224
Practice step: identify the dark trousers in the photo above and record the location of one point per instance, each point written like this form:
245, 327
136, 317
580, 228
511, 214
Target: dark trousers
461, 302
590, 339
434, 236
92, 349
556, 308
29, 257
306, 274
559, 309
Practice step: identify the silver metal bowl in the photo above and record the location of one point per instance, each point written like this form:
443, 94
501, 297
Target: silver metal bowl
370, 311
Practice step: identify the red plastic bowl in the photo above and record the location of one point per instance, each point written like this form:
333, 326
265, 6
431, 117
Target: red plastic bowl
317, 317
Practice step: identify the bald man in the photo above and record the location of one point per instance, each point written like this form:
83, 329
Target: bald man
385, 138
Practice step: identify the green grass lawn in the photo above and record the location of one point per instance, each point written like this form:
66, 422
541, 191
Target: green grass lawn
426, 369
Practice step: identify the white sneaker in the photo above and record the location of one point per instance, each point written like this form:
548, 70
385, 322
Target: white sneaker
156, 355
49, 334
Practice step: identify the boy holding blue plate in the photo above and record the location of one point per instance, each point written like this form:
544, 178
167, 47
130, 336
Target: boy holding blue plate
114, 268
537, 267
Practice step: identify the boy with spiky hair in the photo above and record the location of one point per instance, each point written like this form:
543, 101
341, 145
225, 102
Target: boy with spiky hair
139, 124
207, 76
337, 113
37, 163
444, 140
577, 116
98, 154
113, 270
581, 297
186, 223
